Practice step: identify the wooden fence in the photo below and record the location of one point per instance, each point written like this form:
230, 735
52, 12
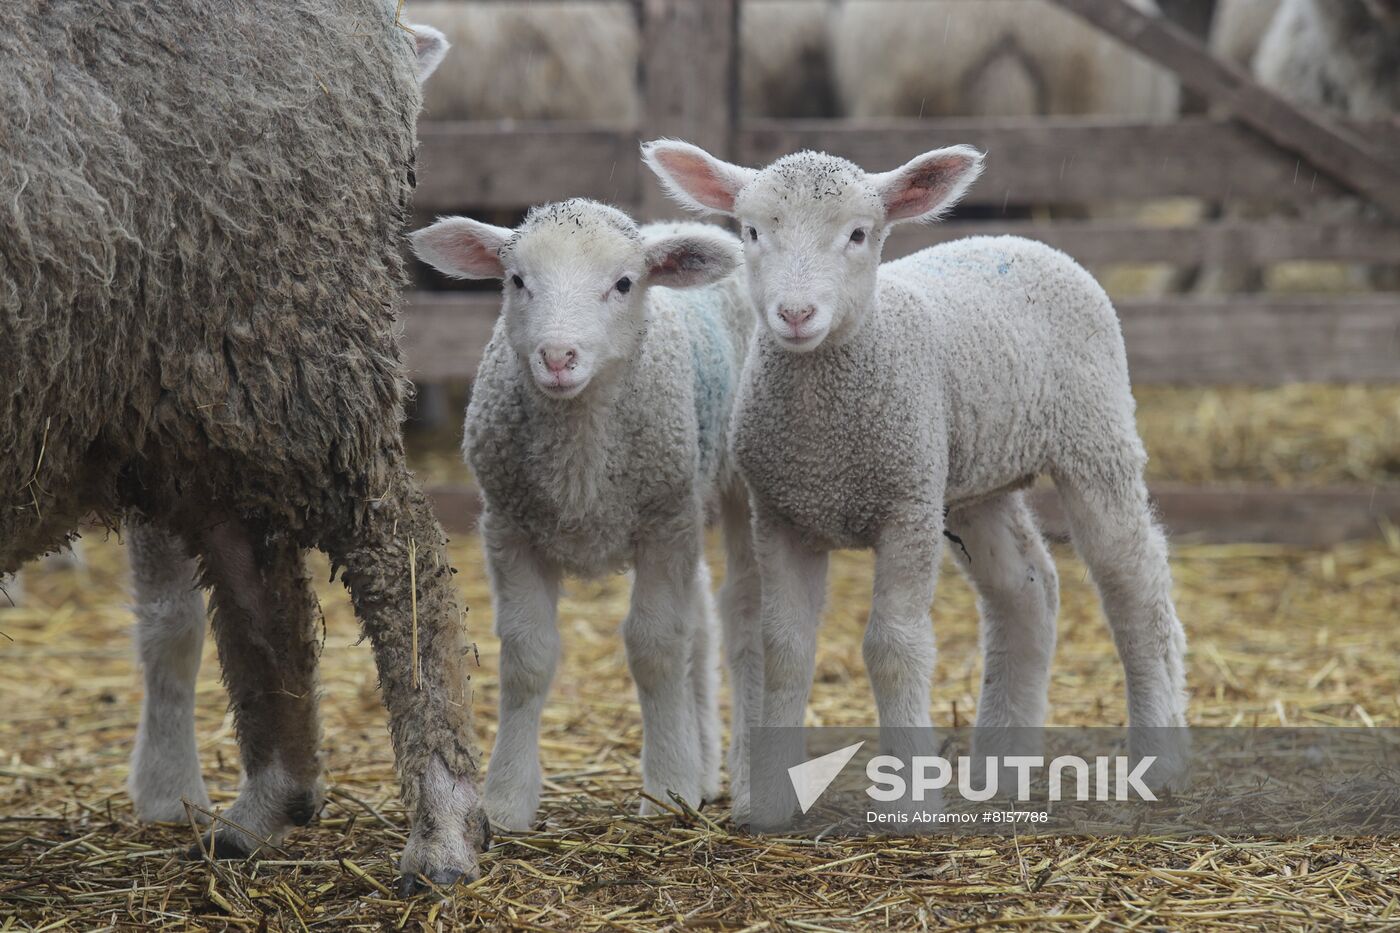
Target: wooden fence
1266, 149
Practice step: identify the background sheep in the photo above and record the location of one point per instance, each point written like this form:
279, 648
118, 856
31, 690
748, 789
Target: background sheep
1004, 58
1341, 56
877, 396
598, 432
201, 294
1238, 27
537, 61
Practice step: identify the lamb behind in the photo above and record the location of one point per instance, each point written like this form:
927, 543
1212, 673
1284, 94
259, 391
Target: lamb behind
877, 397
598, 433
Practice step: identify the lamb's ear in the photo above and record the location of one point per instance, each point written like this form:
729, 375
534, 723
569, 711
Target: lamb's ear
926, 186
430, 47
462, 248
691, 257
693, 178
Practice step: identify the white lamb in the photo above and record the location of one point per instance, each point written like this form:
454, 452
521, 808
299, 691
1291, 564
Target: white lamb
598, 432
884, 405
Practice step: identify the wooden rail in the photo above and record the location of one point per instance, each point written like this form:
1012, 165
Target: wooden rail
1260, 340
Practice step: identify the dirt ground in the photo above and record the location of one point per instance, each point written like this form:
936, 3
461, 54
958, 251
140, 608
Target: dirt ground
1277, 635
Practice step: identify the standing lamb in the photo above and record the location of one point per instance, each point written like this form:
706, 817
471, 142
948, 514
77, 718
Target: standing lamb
878, 398
199, 295
995, 58
598, 431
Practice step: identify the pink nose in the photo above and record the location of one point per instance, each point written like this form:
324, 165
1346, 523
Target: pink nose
796, 317
558, 359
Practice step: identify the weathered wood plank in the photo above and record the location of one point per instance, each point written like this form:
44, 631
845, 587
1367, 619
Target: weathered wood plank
1316, 517
1065, 159
445, 332
689, 80
1307, 517
1262, 340
1246, 340
1326, 144
507, 164
1228, 243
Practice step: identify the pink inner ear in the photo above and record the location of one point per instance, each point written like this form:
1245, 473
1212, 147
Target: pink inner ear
923, 188
698, 179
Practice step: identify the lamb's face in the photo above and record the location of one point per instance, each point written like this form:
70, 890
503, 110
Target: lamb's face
573, 302
576, 275
812, 226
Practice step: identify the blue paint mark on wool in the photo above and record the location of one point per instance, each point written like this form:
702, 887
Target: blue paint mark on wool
714, 371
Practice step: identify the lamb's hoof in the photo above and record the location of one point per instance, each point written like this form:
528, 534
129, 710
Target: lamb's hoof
225, 846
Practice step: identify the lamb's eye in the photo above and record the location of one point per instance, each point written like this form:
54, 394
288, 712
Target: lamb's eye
517, 281
753, 234
858, 235
624, 285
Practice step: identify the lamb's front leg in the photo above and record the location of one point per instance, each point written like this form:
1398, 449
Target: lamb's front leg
658, 638
792, 590
899, 645
170, 622
526, 595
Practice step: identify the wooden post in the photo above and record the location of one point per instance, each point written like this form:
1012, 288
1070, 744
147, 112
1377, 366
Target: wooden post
689, 81
1316, 137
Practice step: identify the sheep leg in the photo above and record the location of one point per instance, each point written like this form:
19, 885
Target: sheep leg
792, 591
265, 621
170, 621
426, 693
1004, 556
898, 646
704, 677
526, 595
658, 641
1126, 552
739, 610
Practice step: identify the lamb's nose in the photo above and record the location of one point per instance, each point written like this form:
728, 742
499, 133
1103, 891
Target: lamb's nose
558, 359
796, 317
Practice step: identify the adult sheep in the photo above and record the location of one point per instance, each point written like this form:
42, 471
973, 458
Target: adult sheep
199, 275
1003, 58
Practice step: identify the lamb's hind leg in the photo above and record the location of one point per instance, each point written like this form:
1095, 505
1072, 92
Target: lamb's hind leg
265, 625
704, 680
1126, 552
739, 602
170, 623
1001, 551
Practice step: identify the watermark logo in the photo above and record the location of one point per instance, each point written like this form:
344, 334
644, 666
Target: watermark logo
1083, 781
811, 778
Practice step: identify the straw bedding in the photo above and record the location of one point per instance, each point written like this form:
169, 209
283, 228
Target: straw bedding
1277, 635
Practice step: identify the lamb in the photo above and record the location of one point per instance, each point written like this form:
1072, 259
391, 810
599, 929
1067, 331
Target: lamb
597, 430
1003, 58
882, 406
199, 296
